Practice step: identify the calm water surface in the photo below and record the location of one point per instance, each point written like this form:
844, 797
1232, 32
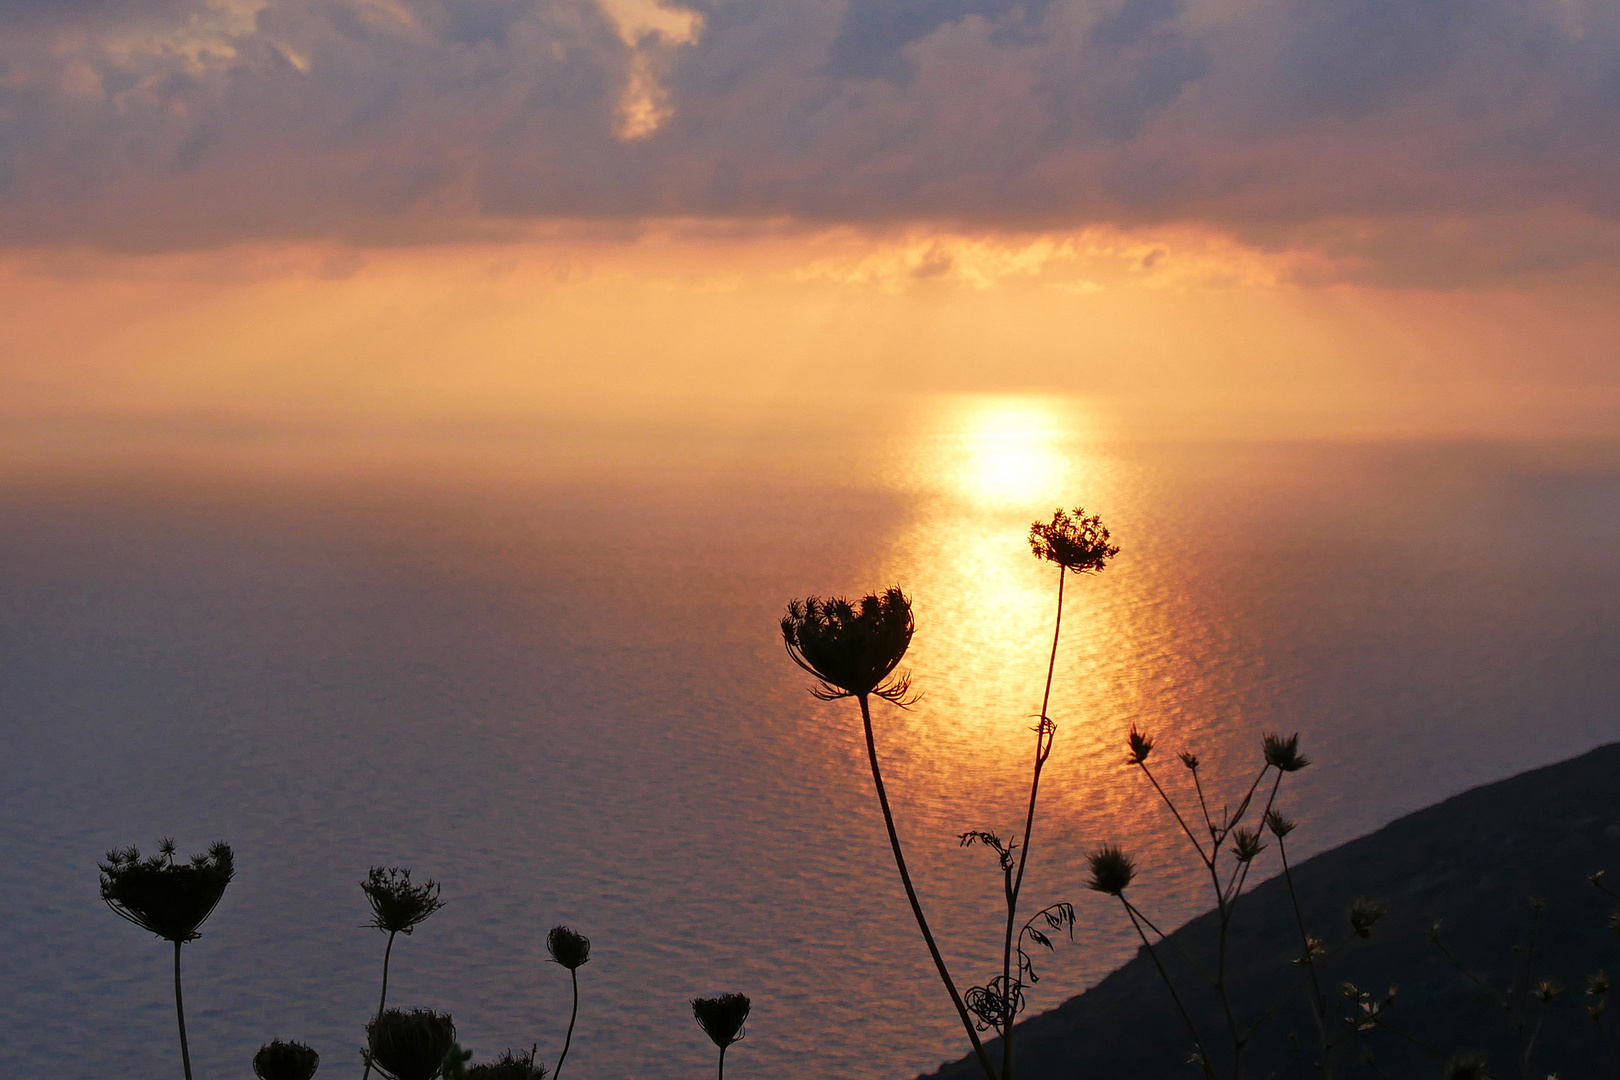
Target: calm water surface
551, 678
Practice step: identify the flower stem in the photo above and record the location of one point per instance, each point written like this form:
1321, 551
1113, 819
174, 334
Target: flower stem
721, 1074
911, 893
381, 1001
180, 1014
569, 1038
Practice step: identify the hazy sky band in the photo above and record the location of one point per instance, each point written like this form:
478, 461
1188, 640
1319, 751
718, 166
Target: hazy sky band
1469, 132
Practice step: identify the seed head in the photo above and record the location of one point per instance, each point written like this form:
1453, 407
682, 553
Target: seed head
1111, 870
509, 1066
1246, 845
1189, 759
1364, 914
280, 1060
854, 647
398, 906
722, 1018
167, 898
1279, 825
1597, 985
1546, 991
1466, 1065
568, 947
1075, 542
1283, 754
1141, 745
409, 1045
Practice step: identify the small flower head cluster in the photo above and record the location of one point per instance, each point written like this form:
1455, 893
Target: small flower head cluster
171, 899
568, 947
1111, 870
409, 1045
852, 647
281, 1060
397, 905
1075, 542
722, 1018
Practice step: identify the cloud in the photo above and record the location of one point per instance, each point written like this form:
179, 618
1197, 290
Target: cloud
1397, 137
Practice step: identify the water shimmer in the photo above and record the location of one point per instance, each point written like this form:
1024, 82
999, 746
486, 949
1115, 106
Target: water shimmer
552, 680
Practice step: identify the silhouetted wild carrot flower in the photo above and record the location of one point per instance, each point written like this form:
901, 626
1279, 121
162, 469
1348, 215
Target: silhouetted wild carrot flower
279, 1060
1111, 870
509, 1066
409, 1045
722, 1019
853, 647
1075, 542
572, 950
397, 907
168, 898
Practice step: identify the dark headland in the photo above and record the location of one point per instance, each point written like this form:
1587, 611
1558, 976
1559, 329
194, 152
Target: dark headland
1472, 863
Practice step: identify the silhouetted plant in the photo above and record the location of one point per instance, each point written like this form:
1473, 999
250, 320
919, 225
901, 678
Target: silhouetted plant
509, 1066
397, 907
169, 899
279, 1060
572, 950
409, 1045
722, 1019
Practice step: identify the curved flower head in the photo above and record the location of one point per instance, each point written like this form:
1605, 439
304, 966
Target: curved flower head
1073, 541
1246, 845
568, 947
410, 1045
1283, 754
281, 1060
722, 1018
1141, 744
1111, 870
169, 898
852, 647
509, 1066
396, 904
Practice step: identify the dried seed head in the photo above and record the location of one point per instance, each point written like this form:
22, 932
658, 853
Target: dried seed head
1546, 991
1283, 754
167, 898
853, 648
509, 1066
1466, 1065
1111, 870
410, 1045
1246, 845
1075, 542
1189, 759
1364, 915
1597, 985
1141, 745
1279, 825
568, 947
280, 1060
722, 1018
398, 906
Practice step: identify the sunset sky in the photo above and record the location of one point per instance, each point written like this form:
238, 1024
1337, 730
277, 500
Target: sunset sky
1211, 217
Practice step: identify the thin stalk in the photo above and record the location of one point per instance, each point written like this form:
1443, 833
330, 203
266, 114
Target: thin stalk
911, 893
1205, 859
569, 1038
381, 1001
1318, 1006
180, 1014
1203, 1055
1608, 1047
721, 1075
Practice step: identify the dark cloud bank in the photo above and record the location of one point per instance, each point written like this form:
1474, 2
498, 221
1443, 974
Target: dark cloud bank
1421, 137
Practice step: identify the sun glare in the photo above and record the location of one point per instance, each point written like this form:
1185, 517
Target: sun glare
1012, 452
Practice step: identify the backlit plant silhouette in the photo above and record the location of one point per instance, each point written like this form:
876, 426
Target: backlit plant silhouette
169, 899
572, 950
280, 1060
409, 1045
722, 1020
397, 907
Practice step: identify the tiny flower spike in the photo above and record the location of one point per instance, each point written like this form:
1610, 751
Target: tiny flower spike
1246, 845
1111, 870
572, 950
169, 899
1364, 914
397, 907
1283, 754
280, 1060
1279, 825
722, 1019
1141, 745
854, 647
1547, 991
409, 1045
1597, 985
1189, 759
1075, 542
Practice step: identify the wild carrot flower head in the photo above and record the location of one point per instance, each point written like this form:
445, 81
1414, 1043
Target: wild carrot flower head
169, 898
1246, 845
410, 1045
722, 1018
280, 1060
509, 1066
568, 947
1073, 541
397, 905
1283, 754
853, 647
1141, 744
1111, 870
1364, 914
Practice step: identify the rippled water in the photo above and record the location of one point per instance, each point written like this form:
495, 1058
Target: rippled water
550, 677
